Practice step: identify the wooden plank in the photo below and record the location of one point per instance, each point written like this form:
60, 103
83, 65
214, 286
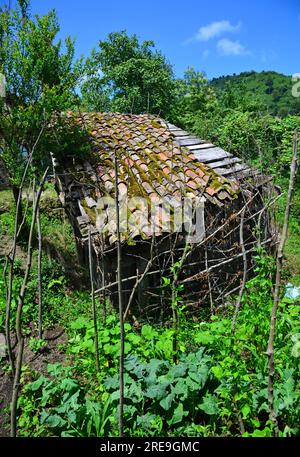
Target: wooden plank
225, 162
188, 141
232, 171
250, 172
200, 146
211, 155
172, 126
182, 136
179, 132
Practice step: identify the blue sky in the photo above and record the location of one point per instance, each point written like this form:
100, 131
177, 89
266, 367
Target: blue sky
218, 37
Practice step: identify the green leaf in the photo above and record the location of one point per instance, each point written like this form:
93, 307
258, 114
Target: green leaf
199, 375
179, 370
178, 415
209, 405
245, 411
133, 364
166, 402
153, 369
135, 393
81, 323
166, 281
192, 385
218, 372
55, 369
156, 391
181, 389
145, 420
259, 433
37, 384
69, 385
204, 338
112, 382
52, 420
148, 332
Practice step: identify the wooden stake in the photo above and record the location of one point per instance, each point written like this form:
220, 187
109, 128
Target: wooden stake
40, 292
119, 273
20, 336
94, 309
245, 269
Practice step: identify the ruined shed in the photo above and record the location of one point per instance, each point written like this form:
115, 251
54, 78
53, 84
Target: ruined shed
174, 190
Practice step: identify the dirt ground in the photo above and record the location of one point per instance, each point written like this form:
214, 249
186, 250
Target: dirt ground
52, 353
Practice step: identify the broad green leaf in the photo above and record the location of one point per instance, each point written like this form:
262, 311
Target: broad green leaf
178, 415
166, 402
245, 411
181, 389
145, 420
179, 370
112, 382
157, 391
209, 405
37, 384
53, 420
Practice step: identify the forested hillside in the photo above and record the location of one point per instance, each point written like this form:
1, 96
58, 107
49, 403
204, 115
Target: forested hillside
73, 361
272, 91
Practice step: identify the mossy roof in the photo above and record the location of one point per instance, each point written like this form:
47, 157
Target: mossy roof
151, 164
150, 161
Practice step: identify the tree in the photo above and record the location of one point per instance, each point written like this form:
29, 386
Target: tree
41, 78
194, 98
128, 76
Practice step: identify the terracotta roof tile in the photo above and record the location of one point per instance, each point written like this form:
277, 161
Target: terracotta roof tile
151, 163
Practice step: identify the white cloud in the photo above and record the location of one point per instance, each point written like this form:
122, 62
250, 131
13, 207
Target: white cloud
215, 29
227, 47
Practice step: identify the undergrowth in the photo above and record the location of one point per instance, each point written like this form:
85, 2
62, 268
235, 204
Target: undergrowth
218, 387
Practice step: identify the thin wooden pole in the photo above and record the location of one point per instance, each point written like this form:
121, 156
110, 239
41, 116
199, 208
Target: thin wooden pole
245, 268
94, 308
40, 286
12, 255
19, 332
209, 283
119, 273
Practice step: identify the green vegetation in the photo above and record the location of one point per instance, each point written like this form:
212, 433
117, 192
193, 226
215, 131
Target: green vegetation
273, 91
127, 76
214, 384
219, 382
41, 77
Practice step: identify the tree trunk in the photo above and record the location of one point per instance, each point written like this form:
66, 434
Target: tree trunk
19, 215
